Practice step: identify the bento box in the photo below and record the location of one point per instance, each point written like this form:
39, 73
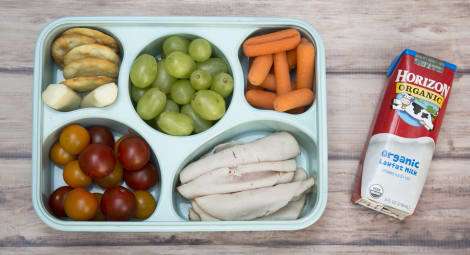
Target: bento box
241, 122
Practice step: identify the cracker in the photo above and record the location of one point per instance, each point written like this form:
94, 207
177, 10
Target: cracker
87, 67
82, 84
91, 51
65, 43
100, 37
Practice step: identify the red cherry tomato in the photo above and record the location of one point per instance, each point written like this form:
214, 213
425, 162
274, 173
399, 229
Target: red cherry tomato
118, 203
116, 145
142, 179
100, 134
134, 153
97, 160
57, 200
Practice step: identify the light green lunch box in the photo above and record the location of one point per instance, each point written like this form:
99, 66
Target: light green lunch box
242, 122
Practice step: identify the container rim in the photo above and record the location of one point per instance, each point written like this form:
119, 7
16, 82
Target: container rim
304, 222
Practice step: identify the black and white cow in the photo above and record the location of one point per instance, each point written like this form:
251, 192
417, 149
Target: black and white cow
407, 104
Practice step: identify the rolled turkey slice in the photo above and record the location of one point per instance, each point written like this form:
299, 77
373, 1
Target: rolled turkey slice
289, 212
203, 216
251, 204
293, 209
226, 180
274, 147
193, 216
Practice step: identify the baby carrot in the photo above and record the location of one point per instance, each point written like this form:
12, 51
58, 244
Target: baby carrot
279, 41
292, 58
305, 61
303, 39
281, 73
293, 99
269, 83
259, 69
260, 98
251, 86
297, 110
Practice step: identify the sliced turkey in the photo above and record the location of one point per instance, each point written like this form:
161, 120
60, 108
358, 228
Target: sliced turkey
274, 147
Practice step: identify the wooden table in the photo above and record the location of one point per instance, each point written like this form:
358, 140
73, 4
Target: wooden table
361, 39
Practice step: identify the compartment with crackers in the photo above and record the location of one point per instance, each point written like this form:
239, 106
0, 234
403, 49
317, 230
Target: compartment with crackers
89, 60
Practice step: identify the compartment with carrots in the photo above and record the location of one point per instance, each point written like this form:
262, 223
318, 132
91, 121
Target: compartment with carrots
281, 70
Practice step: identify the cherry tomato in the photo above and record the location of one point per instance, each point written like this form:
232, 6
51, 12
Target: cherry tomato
97, 160
145, 204
74, 138
59, 156
56, 200
116, 145
80, 204
142, 179
74, 176
134, 153
99, 216
118, 203
112, 179
100, 134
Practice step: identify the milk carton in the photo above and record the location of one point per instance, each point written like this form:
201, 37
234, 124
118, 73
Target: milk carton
396, 161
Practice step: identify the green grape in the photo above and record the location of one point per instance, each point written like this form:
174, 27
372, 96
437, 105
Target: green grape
174, 123
222, 84
143, 71
200, 49
200, 79
175, 43
151, 104
164, 80
200, 124
137, 93
171, 106
179, 65
213, 66
181, 92
208, 104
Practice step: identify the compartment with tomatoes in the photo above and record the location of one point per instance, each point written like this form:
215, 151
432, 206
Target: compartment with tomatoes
99, 174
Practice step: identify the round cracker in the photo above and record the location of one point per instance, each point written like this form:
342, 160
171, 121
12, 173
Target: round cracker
82, 84
65, 43
100, 37
91, 51
87, 67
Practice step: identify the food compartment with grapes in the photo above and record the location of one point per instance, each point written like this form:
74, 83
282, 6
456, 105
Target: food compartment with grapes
180, 85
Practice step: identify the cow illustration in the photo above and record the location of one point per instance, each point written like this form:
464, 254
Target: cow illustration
407, 104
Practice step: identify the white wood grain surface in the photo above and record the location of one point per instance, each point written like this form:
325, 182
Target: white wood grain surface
361, 38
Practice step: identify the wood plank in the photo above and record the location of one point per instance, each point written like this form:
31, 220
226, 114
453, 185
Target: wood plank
15, 115
349, 118
441, 220
358, 37
230, 249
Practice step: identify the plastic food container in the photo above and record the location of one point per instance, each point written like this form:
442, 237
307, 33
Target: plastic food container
241, 122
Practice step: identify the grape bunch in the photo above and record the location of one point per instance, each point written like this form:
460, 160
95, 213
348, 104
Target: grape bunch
183, 93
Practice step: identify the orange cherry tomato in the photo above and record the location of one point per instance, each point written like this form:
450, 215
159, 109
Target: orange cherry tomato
60, 156
80, 204
145, 204
113, 179
116, 145
99, 214
74, 176
74, 138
